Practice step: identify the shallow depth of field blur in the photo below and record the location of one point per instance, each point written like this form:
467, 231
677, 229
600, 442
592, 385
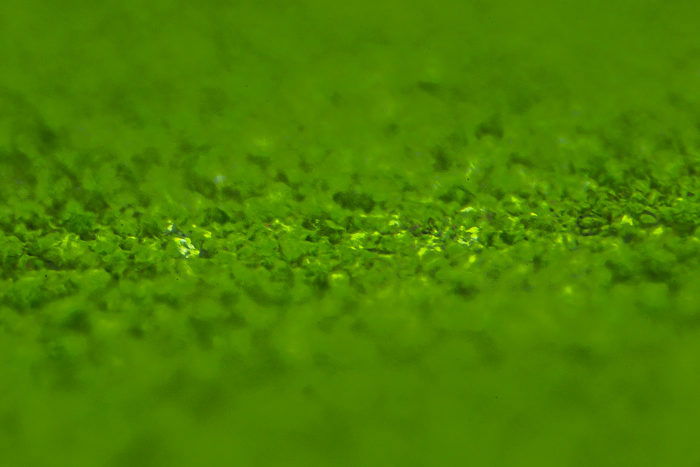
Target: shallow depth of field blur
366, 233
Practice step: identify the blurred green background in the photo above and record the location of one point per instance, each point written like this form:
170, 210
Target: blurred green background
420, 233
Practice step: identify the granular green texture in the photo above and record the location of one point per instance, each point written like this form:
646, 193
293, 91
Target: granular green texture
365, 233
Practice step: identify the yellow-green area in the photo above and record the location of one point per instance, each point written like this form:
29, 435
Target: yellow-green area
365, 233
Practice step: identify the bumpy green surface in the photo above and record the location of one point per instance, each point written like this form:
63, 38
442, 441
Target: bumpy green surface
349, 233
